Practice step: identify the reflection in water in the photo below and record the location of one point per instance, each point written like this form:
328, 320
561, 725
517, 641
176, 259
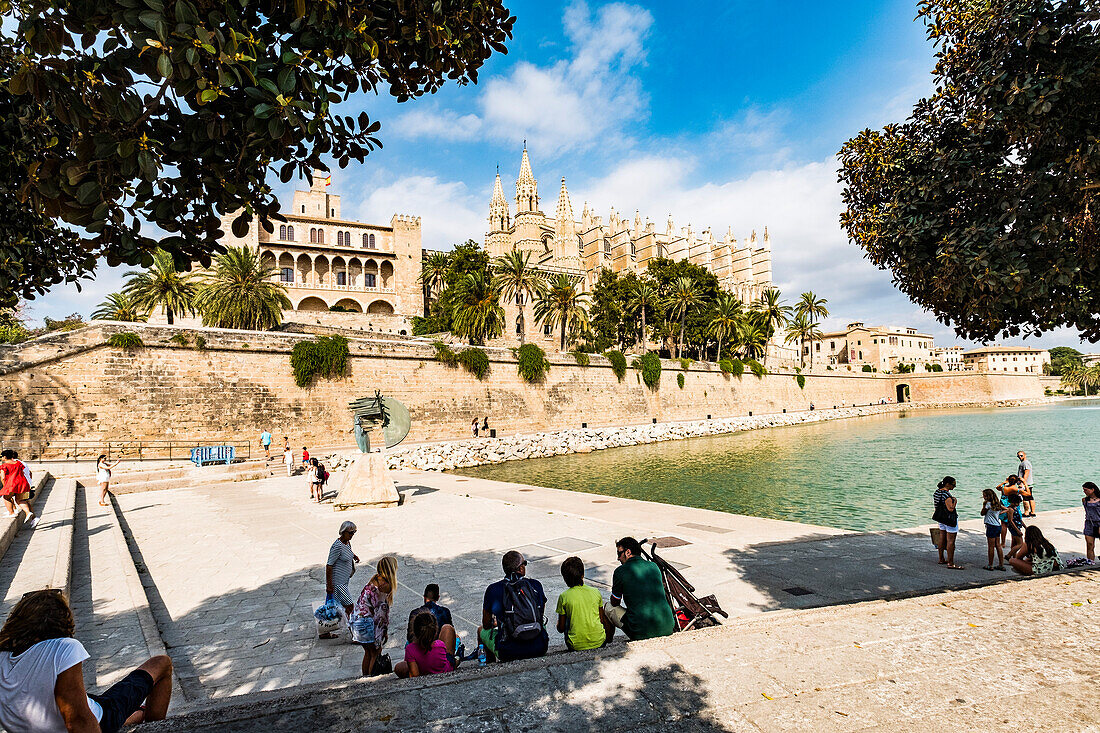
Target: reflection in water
867, 473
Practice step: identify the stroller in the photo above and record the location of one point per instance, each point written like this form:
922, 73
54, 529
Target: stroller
690, 611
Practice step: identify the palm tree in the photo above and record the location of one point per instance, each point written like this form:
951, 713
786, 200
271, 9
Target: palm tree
643, 296
752, 337
813, 308
560, 303
120, 307
683, 297
518, 280
478, 312
240, 292
773, 313
162, 286
1080, 376
725, 318
801, 329
432, 272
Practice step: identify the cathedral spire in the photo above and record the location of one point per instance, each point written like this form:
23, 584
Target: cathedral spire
527, 188
564, 211
498, 208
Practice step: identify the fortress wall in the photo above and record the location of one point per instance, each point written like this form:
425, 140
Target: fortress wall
73, 386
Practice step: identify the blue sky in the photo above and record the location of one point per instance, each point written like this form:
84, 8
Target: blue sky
722, 114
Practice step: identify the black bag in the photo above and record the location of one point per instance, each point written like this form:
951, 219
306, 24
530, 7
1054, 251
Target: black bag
523, 611
945, 516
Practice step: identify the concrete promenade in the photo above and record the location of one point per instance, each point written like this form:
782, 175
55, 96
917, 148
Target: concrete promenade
1008, 657
233, 571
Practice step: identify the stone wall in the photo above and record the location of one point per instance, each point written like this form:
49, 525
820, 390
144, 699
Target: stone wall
73, 386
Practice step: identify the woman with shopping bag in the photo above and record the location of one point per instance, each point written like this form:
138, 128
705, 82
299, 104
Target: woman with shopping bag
338, 571
371, 622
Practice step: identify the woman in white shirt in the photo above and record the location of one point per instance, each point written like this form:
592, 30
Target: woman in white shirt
42, 677
103, 477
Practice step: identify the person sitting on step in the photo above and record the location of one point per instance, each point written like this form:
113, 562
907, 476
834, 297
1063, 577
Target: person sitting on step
638, 583
42, 676
432, 650
512, 622
580, 616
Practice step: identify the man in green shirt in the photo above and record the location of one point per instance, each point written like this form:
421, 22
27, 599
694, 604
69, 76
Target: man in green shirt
638, 583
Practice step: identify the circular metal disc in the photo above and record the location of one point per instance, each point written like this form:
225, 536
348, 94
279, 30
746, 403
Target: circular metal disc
396, 427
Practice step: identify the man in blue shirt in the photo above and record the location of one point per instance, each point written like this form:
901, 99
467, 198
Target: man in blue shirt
265, 441
442, 613
492, 632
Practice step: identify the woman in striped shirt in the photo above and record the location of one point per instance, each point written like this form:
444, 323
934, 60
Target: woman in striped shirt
339, 569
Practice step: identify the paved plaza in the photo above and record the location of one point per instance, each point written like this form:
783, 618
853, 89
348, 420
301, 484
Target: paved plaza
233, 571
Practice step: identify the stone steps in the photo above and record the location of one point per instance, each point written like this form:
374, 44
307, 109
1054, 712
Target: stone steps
42, 557
176, 477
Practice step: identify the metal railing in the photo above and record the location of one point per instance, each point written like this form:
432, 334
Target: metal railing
131, 450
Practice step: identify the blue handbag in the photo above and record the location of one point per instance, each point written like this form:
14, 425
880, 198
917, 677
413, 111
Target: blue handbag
362, 629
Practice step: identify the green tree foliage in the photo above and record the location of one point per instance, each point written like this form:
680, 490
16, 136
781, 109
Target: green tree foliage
161, 285
444, 354
752, 338
680, 380
757, 368
1063, 359
983, 203
683, 297
812, 309
465, 259
649, 364
478, 314
125, 340
664, 272
119, 307
771, 313
800, 379
475, 361
581, 357
12, 328
120, 112
642, 303
726, 315
241, 293
518, 281
866, 368
325, 358
799, 330
614, 313
531, 363
433, 271
618, 363
562, 305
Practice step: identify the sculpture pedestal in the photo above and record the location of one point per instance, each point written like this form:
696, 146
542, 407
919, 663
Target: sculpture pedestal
367, 484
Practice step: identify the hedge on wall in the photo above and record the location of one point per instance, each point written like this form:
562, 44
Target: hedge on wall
581, 358
532, 363
444, 354
475, 361
125, 340
685, 363
650, 367
801, 379
327, 358
757, 368
680, 380
734, 366
618, 363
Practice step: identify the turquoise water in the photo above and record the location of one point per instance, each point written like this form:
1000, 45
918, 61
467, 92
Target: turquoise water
863, 474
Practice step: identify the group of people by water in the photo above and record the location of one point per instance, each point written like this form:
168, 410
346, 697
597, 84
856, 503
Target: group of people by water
1004, 509
513, 620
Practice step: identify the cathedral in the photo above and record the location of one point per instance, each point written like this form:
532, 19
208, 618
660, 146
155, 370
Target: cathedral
581, 249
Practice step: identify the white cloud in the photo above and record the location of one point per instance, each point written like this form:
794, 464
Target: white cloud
440, 124
449, 213
576, 101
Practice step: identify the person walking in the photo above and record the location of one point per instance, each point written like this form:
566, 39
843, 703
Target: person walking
946, 515
103, 470
339, 568
16, 489
1027, 491
1091, 503
371, 624
316, 475
474, 427
485, 426
991, 518
265, 441
288, 459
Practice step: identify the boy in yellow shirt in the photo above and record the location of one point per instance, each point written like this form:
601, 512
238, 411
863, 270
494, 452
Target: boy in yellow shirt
580, 614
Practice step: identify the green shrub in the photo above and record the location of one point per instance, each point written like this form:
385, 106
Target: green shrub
738, 367
125, 340
685, 363
14, 333
1047, 392
801, 379
618, 363
757, 368
650, 367
581, 358
680, 380
327, 357
475, 361
726, 366
532, 363
200, 343
181, 339
444, 354
866, 367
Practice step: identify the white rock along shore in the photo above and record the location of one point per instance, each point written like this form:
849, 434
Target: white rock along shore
480, 451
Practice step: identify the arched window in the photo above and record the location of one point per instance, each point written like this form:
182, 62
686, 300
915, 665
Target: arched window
365, 240
347, 239
340, 239
313, 235
370, 241
290, 234
606, 246
282, 232
320, 236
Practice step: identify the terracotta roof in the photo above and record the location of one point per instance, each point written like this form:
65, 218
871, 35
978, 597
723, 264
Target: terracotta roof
1002, 350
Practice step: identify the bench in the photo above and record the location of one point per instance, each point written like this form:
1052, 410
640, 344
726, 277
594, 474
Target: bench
213, 454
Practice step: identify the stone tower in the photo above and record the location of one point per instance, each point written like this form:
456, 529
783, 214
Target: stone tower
528, 234
498, 241
566, 251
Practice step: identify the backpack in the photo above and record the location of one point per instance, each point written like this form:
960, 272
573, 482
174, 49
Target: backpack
523, 612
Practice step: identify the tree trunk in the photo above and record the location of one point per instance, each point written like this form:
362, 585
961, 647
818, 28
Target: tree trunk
522, 324
169, 312
563, 320
643, 330
719, 349
680, 346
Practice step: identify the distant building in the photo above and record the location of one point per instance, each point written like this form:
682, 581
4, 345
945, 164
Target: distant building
1013, 359
880, 347
1088, 359
949, 357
